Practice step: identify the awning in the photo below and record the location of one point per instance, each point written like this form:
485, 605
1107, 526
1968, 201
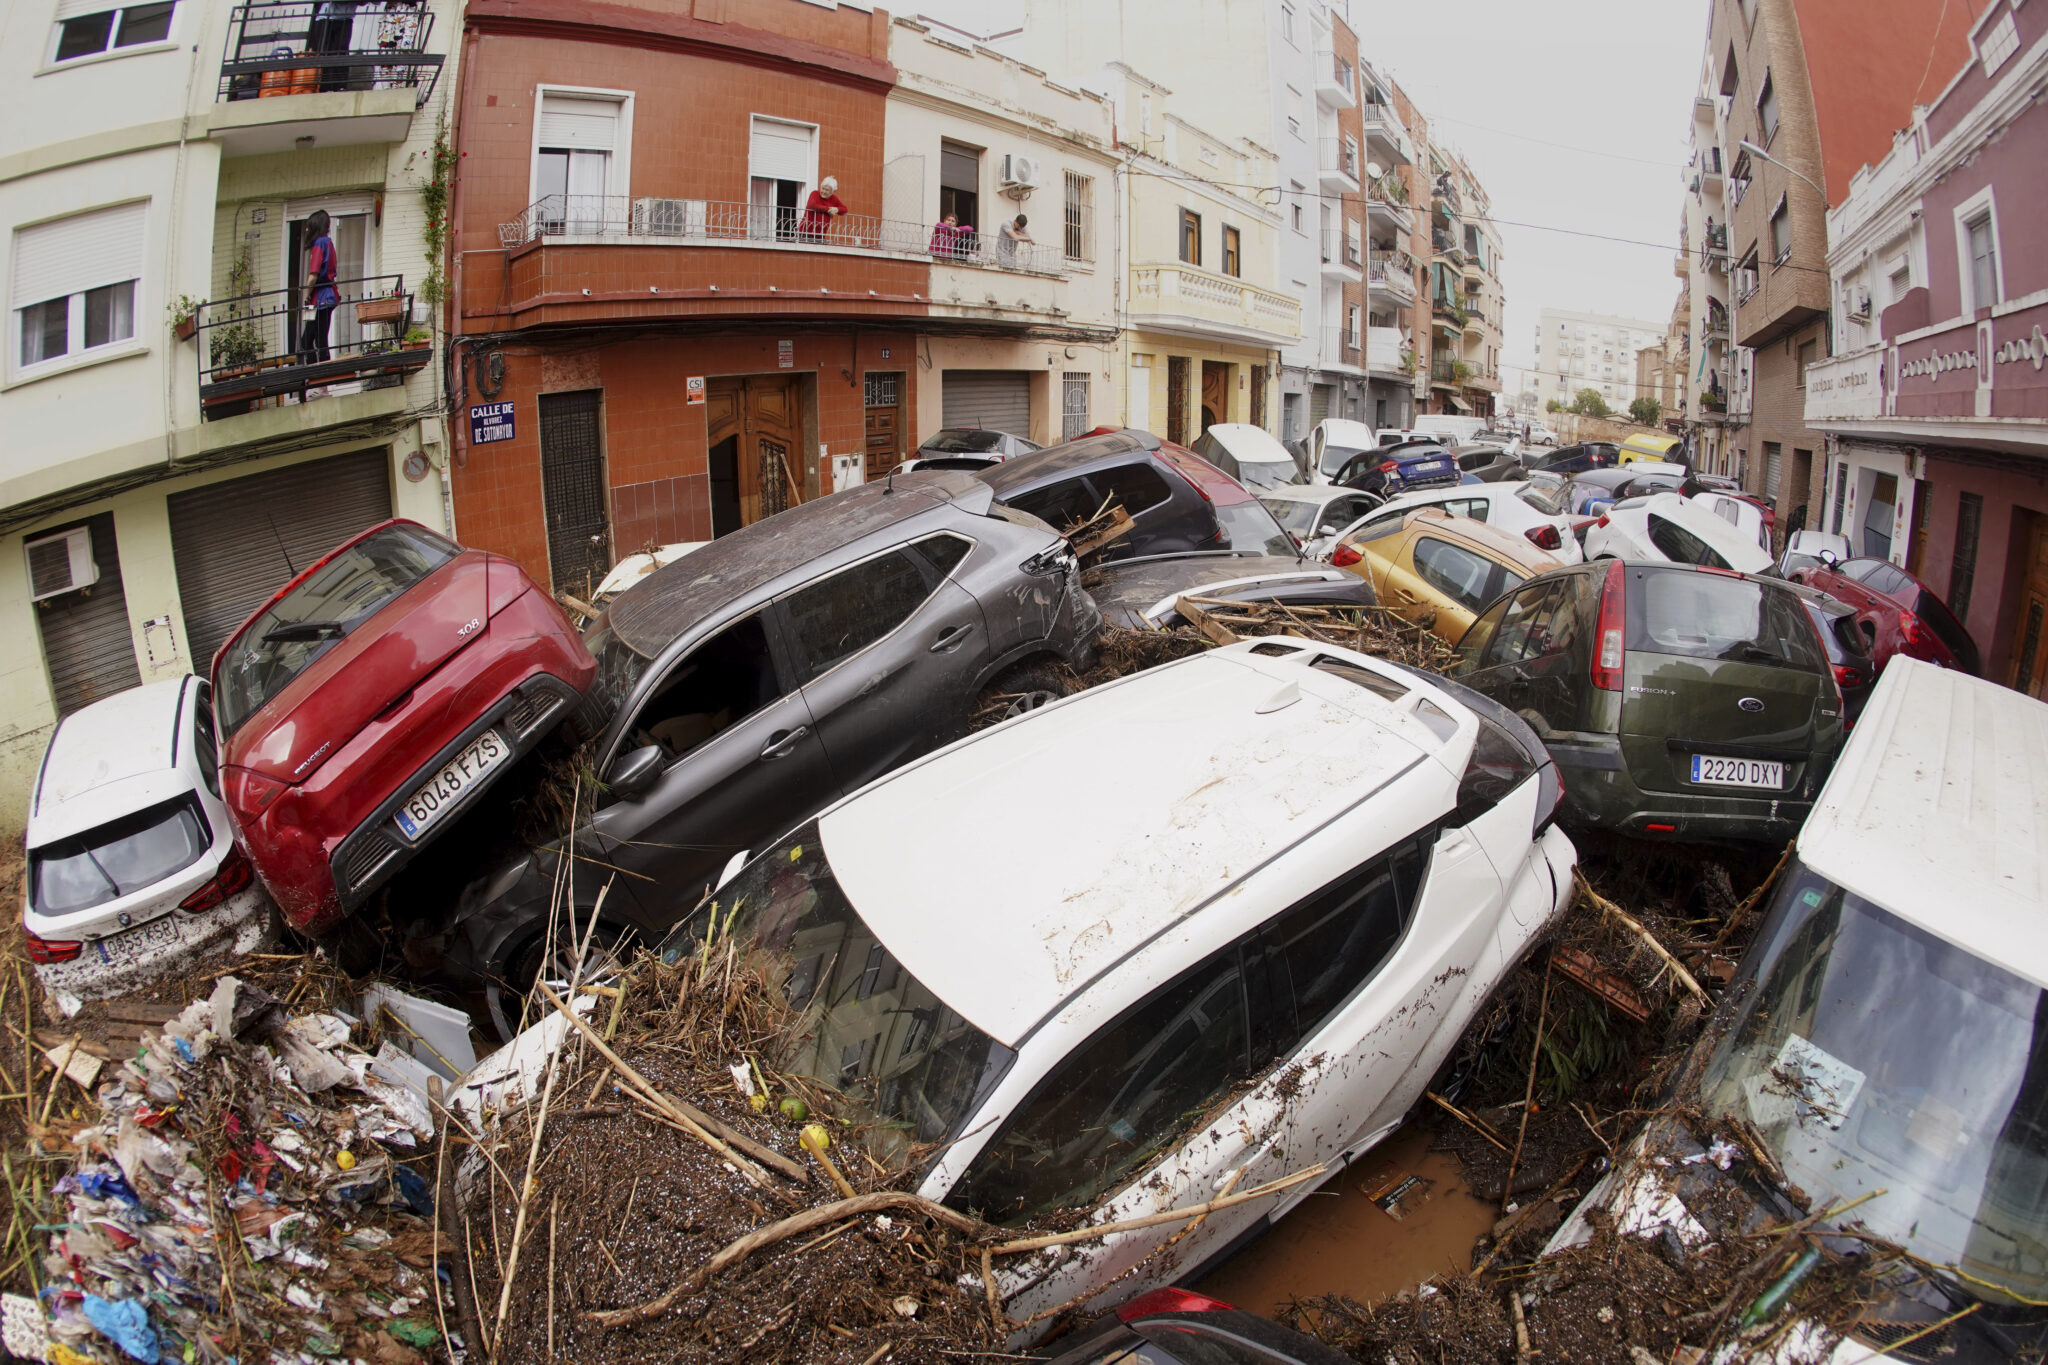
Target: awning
1460, 404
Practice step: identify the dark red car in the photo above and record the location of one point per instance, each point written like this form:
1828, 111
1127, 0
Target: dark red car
1897, 613
372, 699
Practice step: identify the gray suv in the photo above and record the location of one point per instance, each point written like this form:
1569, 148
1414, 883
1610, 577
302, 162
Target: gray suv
751, 683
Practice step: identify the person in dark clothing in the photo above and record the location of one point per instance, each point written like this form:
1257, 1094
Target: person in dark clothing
333, 30
321, 294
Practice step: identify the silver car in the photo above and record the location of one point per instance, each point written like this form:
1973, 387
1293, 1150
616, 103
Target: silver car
753, 682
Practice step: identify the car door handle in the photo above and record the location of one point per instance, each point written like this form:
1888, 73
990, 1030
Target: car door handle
951, 638
783, 742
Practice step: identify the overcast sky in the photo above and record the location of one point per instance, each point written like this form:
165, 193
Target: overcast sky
1573, 114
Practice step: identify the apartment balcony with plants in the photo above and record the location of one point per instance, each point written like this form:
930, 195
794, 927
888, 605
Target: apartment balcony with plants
304, 74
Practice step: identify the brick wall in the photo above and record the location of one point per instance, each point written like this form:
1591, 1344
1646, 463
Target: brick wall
1778, 414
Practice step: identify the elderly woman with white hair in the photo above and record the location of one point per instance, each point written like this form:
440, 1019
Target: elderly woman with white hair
821, 209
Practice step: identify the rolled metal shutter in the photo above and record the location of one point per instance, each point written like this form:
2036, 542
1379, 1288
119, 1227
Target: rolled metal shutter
87, 642
999, 400
238, 541
579, 124
1318, 404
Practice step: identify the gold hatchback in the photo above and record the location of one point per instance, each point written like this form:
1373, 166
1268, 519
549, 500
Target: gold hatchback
1438, 569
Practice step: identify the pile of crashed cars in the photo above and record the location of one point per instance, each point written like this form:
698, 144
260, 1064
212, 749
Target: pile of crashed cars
1309, 870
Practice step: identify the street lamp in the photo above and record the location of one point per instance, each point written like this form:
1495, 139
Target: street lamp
1762, 155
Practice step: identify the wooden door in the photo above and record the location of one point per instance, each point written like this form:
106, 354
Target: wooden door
2029, 672
884, 421
751, 425
1215, 394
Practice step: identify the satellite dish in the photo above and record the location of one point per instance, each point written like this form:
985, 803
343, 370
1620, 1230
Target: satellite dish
1372, 168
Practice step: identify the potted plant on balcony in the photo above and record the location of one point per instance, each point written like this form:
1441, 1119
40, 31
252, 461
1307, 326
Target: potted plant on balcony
1460, 371
184, 315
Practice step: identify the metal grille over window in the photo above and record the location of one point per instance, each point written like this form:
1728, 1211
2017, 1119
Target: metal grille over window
1177, 399
1080, 218
1962, 574
1073, 404
881, 389
1259, 396
573, 488
775, 477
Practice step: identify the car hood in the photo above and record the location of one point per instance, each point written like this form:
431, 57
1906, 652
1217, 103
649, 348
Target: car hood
1126, 590
375, 665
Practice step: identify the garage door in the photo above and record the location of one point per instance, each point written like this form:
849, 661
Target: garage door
238, 541
997, 399
86, 637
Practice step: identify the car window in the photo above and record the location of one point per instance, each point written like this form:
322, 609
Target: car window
1540, 499
1711, 616
1681, 546
1134, 487
205, 747
1061, 505
1251, 528
117, 859
1478, 635
319, 613
1859, 569
837, 617
1891, 581
1363, 677
1498, 765
1521, 629
1319, 953
943, 552
712, 688
1475, 508
1119, 1099
1943, 622
1298, 517
1454, 571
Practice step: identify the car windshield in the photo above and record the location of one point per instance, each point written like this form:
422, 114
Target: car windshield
619, 666
1265, 474
319, 613
117, 859
1542, 498
953, 440
911, 1066
1252, 529
1872, 1055
1294, 514
1334, 457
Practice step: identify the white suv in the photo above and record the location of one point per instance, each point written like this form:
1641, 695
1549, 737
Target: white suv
1245, 956
132, 865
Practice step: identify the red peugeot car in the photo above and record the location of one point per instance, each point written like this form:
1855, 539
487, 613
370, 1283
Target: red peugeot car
1897, 612
372, 699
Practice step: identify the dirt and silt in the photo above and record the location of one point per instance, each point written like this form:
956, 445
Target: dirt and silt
588, 1234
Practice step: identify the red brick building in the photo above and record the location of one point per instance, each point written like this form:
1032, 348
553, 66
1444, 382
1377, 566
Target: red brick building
654, 342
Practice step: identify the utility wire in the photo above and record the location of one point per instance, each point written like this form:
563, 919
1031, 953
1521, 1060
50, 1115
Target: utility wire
1560, 146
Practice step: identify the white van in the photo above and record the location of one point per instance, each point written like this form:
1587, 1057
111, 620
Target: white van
1885, 1033
1455, 430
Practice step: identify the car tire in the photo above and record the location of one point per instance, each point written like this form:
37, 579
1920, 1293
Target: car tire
610, 946
1024, 688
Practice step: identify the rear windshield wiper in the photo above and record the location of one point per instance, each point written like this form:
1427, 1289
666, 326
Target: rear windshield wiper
292, 631
1749, 653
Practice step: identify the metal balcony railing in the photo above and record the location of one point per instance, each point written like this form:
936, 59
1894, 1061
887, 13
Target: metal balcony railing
300, 47
710, 221
1338, 157
256, 346
1341, 247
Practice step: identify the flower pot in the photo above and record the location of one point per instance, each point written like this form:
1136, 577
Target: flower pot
186, 328
379, 310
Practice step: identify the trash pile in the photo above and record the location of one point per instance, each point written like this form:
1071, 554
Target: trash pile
658, 1190
246, 1185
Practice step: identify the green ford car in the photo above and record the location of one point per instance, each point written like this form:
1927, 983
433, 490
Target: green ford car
1679, 702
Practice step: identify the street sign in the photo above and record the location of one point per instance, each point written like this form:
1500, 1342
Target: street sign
693, 389
785, 355
489, 422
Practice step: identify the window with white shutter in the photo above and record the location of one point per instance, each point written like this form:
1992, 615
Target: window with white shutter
71, 289
87, 28
577, 178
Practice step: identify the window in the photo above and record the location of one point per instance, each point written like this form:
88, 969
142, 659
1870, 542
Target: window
1060, 505
1498, 765
1745, 285
1191, 236
1287, 23
1962, 570
1809, 352
577, 139
2000, 42
1080, 219
1134, 487
960, 185
836, 618
1983, 247
74, 282
942, 552
1681, 546
1841, 495
1767, 110
81, 34
1457, 573
1351, 325
1233, 259
204, 747
118, 859
1709, 616
1300, 218
716, 686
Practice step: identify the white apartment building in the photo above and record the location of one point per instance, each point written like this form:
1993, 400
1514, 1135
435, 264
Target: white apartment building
1715, 395
158, 166
1576, 351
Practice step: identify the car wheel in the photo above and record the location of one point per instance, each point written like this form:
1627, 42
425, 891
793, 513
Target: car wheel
1024, 688
610, 946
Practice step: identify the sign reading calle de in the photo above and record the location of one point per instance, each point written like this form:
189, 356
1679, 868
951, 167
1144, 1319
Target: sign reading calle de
1846, 388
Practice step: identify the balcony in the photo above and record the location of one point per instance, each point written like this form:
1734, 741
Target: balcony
1977, 379
1681, 265
1337, 166
286, 76
1386, 206
1710, 170
1342, 351
1341, 257
1443, 371
1336, 84
1386, 141
1392, 278
1447, 245
249, 347
1444, 198
1448, 315
1386, 354
1190, 300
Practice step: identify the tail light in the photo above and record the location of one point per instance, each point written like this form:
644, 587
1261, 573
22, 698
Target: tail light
1920, 641
1600, 520
1609, 634
1344, 557
250, 793
1545, 537
1549, 796
51, 949
1389, 467
1161, 1301
1847, 677
232, 878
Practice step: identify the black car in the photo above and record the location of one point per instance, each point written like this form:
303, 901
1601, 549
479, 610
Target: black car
1065, 485
1491, 463
1180, 1327
1577, 459
1847, 646
1400, 468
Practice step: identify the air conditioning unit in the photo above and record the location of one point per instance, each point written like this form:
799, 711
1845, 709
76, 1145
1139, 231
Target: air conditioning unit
61, 563
1859, 303
1020, 172
668, 217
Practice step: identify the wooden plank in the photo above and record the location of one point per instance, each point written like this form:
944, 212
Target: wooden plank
1201, 620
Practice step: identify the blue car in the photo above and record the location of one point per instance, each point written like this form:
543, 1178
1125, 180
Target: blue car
1401, 468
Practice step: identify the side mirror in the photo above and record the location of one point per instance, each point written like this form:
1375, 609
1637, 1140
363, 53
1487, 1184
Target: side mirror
1828, 558
635, 772
1328, 528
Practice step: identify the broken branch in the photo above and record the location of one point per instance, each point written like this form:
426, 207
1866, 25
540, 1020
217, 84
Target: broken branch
1606, 906
1461, 1116
1153, 1220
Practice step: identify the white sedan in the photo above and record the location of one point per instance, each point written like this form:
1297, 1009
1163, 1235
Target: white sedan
1526, 509
1670, 527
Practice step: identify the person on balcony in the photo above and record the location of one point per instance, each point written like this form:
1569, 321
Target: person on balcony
949, 238
1007, 240
821, 210
321, 294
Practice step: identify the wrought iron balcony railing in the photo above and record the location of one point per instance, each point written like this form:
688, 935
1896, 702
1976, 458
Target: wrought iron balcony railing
258, 345
301, 47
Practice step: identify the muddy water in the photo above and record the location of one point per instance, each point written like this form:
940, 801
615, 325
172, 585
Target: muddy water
1338, 1241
